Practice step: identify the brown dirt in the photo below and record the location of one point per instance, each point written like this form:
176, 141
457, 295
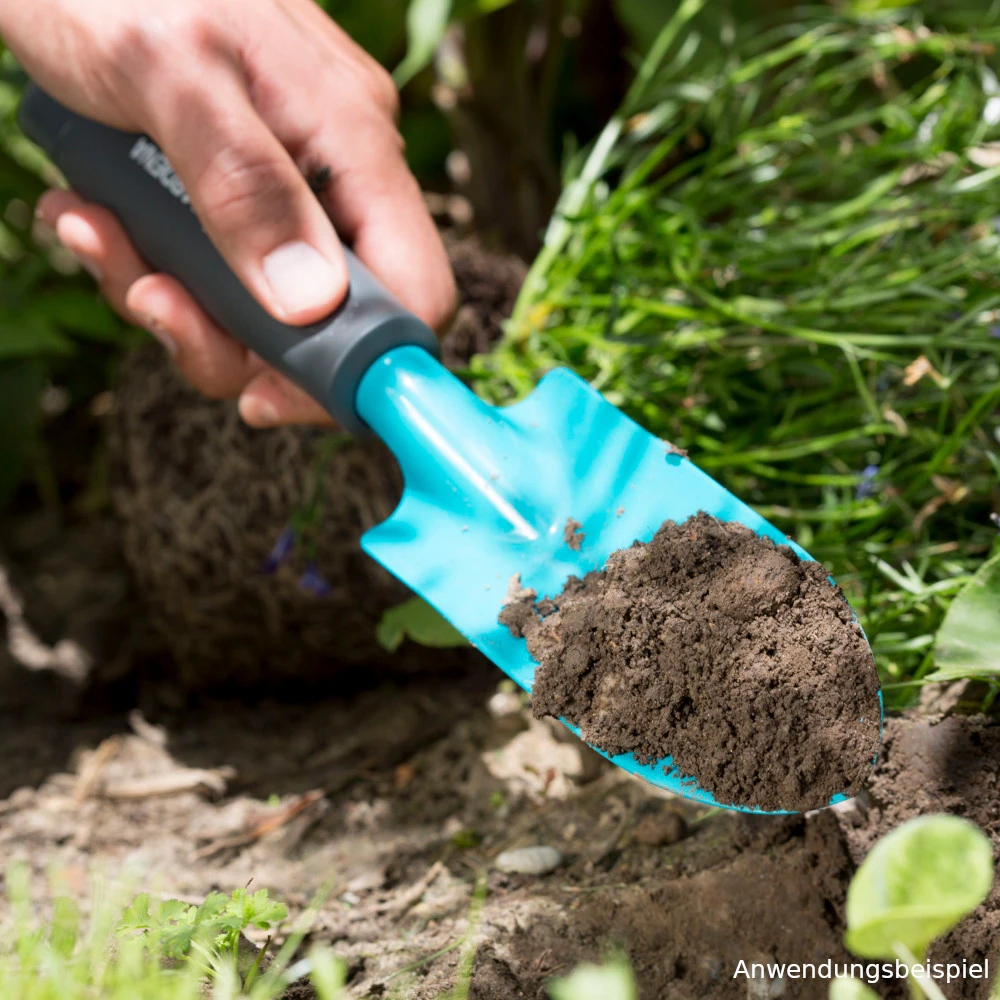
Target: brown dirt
401, 791
717, 648
404, 793
202, 499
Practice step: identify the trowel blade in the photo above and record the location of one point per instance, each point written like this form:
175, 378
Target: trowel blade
489, 490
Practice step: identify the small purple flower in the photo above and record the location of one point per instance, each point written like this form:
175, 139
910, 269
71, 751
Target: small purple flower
866, 487
312, 582
995, 331
281, 552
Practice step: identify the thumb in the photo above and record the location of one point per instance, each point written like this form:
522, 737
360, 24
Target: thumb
253, 201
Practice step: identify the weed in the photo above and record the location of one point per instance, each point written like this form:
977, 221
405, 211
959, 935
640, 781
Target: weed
148, 950
917, 883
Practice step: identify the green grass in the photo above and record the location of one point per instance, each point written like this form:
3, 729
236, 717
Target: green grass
149, 950
783, 219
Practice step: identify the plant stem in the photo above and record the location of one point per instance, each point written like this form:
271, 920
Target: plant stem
918, 987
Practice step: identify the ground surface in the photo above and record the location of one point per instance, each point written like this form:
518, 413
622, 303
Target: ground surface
396, 789
400, 798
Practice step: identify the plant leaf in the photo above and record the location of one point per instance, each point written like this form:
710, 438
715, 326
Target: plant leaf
79, 312
966, 643
426, 23
466, 10
851, 989
328, 973
65, 928
417, 620
916, 884
29, 335
596, 982
136, 917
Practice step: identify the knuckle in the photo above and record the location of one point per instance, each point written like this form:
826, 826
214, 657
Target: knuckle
236, 188
156, 43
155, 35
208, 379
385, 91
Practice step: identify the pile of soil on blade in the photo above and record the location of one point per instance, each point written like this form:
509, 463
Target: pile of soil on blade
202, 499
715, 647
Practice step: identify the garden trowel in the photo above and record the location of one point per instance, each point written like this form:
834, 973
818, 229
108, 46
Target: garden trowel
488, 491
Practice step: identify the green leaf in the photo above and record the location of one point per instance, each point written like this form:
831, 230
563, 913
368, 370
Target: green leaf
136, 917
417, 620
79, 312
916, 884
426, 23
176, 940
966, 643
466, 10
596, 982
328, 975
29, 335
256, 909
65, 928
214, 904
851, 989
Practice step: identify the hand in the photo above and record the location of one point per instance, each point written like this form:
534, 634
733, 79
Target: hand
247, 98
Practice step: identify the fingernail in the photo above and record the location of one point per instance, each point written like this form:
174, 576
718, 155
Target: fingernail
154, 327
301, 278
258, 412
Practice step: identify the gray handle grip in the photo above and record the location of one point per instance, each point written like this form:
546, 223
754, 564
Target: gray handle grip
128, 174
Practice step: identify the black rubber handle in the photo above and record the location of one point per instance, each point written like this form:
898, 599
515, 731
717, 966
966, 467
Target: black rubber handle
128, 174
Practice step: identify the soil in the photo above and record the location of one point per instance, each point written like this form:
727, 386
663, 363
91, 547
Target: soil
404, 794
715, 647
572, 535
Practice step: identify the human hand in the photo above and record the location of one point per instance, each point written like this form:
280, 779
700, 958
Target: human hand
247, 98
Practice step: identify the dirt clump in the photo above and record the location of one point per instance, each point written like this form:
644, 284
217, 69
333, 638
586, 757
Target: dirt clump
720, 649
572, 535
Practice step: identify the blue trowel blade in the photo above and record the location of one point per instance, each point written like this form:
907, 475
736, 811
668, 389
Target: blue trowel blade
488, 492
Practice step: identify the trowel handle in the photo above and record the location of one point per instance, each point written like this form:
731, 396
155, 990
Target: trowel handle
128, 174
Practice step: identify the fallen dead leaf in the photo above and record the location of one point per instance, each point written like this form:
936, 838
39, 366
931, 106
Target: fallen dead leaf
402, 775
921, 368
985, 155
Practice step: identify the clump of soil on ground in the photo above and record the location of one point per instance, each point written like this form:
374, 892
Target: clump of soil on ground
404, 796
715, 647
202, 498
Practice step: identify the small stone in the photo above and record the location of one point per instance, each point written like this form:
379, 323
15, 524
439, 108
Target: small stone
661, 828
529, 860
504, 703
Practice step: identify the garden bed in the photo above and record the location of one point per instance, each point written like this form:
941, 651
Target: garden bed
401, 796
